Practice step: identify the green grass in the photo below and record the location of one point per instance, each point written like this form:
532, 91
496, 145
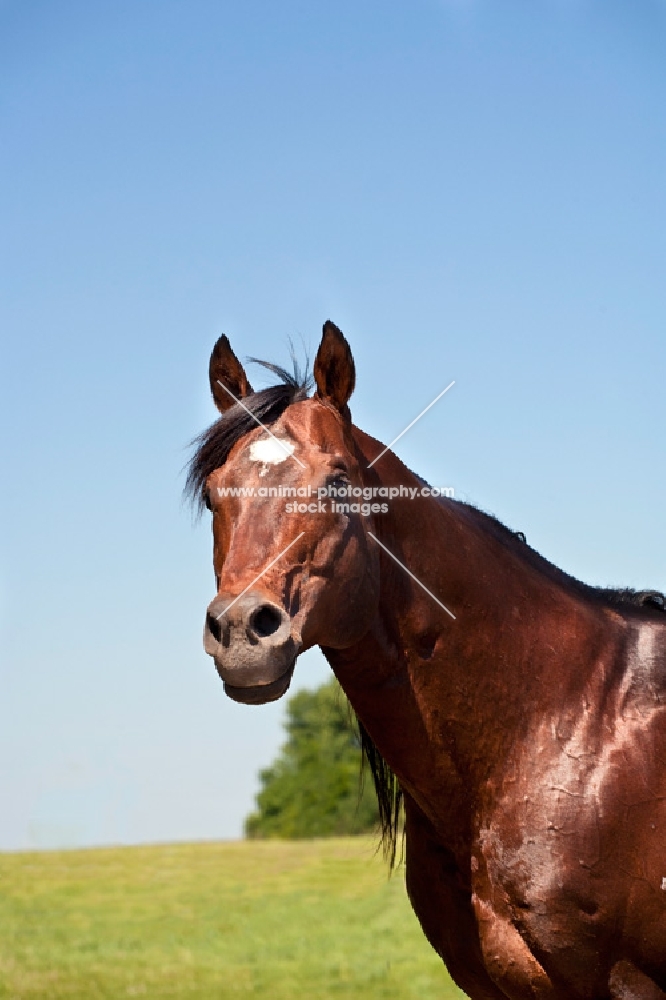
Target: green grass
274, 919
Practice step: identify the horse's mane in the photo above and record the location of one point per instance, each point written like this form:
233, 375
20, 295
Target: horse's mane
388, 792
618, 597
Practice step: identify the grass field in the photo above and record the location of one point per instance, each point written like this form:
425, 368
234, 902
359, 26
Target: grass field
273, 919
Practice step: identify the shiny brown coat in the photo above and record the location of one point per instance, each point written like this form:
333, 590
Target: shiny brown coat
528, 734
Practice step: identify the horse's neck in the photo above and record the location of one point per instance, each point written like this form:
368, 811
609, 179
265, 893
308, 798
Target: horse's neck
444, 699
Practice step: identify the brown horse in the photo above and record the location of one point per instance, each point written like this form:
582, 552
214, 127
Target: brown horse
527, 733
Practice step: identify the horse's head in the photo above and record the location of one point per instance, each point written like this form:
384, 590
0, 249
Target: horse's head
292, 570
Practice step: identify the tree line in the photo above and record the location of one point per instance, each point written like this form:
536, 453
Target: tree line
314, 788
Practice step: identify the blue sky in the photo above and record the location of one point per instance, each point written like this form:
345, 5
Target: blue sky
470, 189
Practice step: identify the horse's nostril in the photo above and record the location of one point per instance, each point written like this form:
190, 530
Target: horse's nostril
214, 627
265, 621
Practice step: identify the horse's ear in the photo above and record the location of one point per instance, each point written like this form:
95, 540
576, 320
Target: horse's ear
228, 380
334, 369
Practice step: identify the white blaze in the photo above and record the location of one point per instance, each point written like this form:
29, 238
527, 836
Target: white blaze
271, 451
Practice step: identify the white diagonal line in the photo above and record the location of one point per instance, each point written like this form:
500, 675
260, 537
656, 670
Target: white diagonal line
415, 578
411, 425
265, 570
240, 402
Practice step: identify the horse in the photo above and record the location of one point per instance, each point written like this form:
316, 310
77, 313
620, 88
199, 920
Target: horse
517, 713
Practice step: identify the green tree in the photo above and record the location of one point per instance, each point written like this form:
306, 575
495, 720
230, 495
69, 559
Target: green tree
312, 789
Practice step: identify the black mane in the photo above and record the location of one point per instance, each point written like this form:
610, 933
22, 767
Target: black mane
619, 597
388, 791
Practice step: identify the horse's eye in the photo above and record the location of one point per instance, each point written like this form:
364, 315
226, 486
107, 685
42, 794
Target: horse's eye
338, 479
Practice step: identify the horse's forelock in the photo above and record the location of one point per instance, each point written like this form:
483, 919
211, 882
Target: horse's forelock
212, 447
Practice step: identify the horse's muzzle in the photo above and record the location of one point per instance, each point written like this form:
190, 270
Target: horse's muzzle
250, 638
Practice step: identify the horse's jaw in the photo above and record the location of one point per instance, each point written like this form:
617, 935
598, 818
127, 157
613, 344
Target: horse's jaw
254, 681
260, 694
